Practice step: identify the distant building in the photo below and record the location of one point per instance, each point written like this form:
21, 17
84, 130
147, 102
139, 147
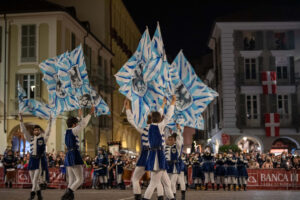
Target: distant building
245, 45
30, 32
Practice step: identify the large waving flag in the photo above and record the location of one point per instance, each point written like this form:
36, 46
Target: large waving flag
59, 98
130, 75
192, 94
73, 75
32, 106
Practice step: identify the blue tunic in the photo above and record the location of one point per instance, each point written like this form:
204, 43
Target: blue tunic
220, 167
231, 167
102, 163
39, 158
143, 157
173, 161
197, 169
156, 149
73, 156
208, 163
242, 168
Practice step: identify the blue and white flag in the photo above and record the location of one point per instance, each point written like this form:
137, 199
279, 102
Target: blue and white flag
130, 76
60, 100
73, 74
32, 106
192, 95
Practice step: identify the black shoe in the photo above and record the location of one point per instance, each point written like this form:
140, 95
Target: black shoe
206, 186
245, 187
224, 187
213, 186
137, 197
218, 186
160, 198
6, 185
182, 195
174, 196
69, 195
32, 195
229, 187
240, 187
39, 195
10, 184
234, 187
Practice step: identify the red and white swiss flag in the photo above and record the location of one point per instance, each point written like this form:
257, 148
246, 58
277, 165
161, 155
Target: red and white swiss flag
269, 82
272, 124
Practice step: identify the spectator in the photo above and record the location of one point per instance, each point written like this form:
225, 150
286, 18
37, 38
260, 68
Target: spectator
268, 164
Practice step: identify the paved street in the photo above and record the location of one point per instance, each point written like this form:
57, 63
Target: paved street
21, 194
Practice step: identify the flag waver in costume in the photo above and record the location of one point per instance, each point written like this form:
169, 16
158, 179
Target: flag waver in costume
59, 99
36, 108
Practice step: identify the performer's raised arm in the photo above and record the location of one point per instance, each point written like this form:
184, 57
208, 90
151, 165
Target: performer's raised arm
169, 115
24, 130
130, 116
84, 122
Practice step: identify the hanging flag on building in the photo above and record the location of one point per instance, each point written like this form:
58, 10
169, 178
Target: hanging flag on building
272, 124
32, 106
269, 82
59, 99
192, 95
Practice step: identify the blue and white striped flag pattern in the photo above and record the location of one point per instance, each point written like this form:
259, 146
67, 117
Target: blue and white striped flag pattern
32, 106
73, 74
59, 98
131, 72
192, 94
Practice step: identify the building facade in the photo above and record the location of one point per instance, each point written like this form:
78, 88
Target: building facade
27, 38
241, 52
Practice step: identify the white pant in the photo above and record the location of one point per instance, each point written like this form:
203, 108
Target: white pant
103, 179
209, 176
173, 178
34, 176
181, 180
156, 178
243, 180
197, 181
231, 180
75, 174
119, 178
221, 180
136, 177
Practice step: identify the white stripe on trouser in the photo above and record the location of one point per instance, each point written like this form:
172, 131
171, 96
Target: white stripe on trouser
136, 177
181, 180
103, 179
243, 180
34, 176
231, 180
156, 178
75, 174
221, 180
209, 177
173, 178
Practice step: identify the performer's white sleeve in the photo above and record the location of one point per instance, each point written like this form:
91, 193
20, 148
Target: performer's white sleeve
131, 121
179, 140
167, 117
25, 132
48, 130
82, 124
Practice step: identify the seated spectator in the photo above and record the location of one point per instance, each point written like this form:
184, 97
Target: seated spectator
253, 164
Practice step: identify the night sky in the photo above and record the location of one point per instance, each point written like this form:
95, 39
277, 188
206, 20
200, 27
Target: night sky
187, 24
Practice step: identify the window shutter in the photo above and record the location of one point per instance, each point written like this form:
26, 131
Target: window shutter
263, 109
292, 70
241, 70
238, 40
291, 39
272, 65
273, 103
270, 40
241, 117
260, 67
258, 40
295, 117
38, 86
